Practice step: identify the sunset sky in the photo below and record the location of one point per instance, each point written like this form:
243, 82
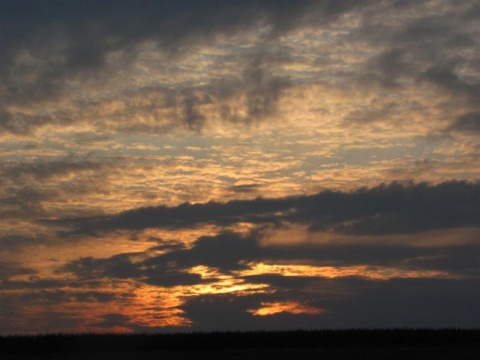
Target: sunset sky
197, 165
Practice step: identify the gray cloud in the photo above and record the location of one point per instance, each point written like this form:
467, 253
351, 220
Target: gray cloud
223, 251
436, 303
118, 266
400, 303
219, 312
435, 48
230, 252
83, 34
46, 46
468, 123
12, 268
28, 186
25, 201
445, 77
112, 320
42, 170
385, 209
13, 242
122, 267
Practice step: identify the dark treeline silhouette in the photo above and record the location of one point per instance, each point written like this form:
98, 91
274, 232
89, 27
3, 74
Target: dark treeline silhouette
388, 339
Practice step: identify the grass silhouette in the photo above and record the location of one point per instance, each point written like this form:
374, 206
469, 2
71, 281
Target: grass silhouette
324, 339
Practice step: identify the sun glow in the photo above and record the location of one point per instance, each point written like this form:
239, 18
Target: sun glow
365, 271
292, 307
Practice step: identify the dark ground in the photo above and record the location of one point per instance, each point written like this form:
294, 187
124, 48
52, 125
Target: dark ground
327, 345
267, 353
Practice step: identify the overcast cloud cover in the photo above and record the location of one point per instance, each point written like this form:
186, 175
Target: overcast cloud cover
237, 165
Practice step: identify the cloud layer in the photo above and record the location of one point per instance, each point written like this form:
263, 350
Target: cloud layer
215, 165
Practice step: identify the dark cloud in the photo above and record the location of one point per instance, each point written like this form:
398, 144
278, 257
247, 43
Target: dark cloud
389, 67
34, 283
25, 202
229, 313
399, 303
165, 277
445, 77
165, 274
192, 117
15, 241
262, 92
231, 252
41, 170
49, 321
385, 209
286, 282
460, 260
54, 296
436, 303
348, 301
468, 123
118, 266
430, 49
76, 36
46, 47
224, 251
20, 124
111, 320
12, 268
247, 188
371, 304
28, 186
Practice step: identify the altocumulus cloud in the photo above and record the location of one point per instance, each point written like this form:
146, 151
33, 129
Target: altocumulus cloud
77, 39
87, 43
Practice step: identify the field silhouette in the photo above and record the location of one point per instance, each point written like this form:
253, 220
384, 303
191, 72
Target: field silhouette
326, 344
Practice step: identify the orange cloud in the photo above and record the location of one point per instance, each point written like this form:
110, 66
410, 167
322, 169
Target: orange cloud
292, 307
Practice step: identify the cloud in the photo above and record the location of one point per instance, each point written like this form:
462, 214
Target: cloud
272, 308
80, 36
118, 266
385, 209
468, 123
251, 259
176, 71
112, 320
162, 162
213, 285
9, 269
123, 267
29, 188
219, 312
96, 69
444, 77
224, 251
42, 170
370, 304
403, 303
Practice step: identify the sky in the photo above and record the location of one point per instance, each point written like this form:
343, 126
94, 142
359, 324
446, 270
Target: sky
170, 166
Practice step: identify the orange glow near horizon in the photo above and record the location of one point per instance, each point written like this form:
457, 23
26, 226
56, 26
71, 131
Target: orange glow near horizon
223, 285
292, 307
365, 271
